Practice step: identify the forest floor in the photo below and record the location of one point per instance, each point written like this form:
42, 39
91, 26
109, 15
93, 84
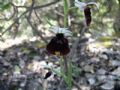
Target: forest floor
23, 67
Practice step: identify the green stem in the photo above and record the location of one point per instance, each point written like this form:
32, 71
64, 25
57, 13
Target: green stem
61, 65
47, 20
66, 67
69, 74
65, 13
66, 72
72, 8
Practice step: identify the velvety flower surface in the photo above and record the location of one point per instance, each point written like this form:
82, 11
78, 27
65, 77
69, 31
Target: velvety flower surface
58, 44
88, 17
48, 74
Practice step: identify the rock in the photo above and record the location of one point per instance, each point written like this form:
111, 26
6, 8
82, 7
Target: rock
37, 58
89, 68
114, 63
50, 64
116, 72
90, 78
74, 88
83, 87
22, 64
101, 71
91, 81
109, 85
103, 56
111, 77
101, 78
94, 60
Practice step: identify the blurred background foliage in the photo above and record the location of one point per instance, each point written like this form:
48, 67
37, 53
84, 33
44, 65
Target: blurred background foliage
29, 18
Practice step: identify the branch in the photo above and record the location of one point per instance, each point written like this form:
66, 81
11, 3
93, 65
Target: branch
42, 6
14, 9
35, 29
14, 22
39, 19
46, 5
28, 9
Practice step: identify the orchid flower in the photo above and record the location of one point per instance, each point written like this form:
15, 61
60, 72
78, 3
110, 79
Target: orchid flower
87, 10
59, 44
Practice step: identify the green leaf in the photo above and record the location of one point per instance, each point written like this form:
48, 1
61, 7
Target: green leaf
105, 38
4, 6
48, 21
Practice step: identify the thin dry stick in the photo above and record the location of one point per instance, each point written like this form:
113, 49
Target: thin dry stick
24, 13
33, 27
75, 44
38, 32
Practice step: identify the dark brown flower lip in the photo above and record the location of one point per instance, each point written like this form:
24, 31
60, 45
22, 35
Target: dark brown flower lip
58, 44
87, 14
60, 35
48, 74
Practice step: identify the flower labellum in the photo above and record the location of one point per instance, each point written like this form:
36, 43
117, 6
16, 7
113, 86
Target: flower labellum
58, 45
88, 17
48, 74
